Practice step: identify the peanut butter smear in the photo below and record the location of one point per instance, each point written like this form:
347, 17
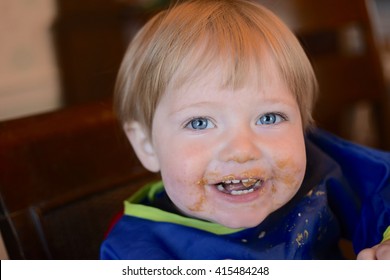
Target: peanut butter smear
249, 183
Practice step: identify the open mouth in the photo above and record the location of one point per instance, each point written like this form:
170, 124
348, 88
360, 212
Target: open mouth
239, 187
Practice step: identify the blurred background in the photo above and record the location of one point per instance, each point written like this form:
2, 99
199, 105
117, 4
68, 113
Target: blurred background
56, 54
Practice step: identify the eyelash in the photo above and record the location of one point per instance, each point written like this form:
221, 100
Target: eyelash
276, 115
190, 123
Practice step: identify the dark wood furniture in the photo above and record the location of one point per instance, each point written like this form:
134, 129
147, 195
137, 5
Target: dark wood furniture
63, 177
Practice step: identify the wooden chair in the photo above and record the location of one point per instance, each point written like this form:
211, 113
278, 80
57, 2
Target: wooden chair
338, 38
63, 177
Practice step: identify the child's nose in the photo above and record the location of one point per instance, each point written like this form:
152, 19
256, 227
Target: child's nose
240, 146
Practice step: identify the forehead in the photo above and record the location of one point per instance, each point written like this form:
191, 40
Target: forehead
204, 68
185, 49
208, 60
262, 86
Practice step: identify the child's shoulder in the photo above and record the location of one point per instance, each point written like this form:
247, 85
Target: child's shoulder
362, 179
344, 151
366, 168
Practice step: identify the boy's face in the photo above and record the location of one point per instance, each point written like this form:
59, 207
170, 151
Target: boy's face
231, 157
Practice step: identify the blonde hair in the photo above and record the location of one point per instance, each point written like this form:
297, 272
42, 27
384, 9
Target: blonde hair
184, 42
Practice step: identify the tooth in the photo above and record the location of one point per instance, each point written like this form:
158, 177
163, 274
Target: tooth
220, 188
228, 182
235, 181
241, 192
245, 180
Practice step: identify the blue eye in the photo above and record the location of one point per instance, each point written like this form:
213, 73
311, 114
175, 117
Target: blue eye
270, 118
199, 124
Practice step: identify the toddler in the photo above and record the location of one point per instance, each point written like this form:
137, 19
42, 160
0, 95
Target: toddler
217, 96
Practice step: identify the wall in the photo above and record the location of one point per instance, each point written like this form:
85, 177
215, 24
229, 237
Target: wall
28, 73
382, 23
383, 19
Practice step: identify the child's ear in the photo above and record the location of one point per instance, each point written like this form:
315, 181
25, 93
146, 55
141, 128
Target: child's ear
142, 145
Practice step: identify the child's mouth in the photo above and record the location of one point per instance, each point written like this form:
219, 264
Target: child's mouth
239, 187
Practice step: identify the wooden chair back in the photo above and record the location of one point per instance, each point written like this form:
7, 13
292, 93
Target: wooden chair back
63, 177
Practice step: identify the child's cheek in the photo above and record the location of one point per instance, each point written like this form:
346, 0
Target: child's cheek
291, 178
288, 177
183, 181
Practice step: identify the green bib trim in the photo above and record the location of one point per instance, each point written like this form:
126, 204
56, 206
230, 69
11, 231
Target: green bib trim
386, 234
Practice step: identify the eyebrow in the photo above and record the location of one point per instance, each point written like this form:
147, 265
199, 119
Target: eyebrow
270, 101
188, 106
282, 102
